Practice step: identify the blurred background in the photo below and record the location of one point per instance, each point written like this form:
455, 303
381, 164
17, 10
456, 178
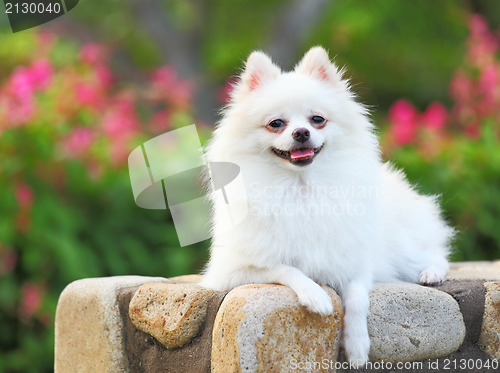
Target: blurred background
77, 94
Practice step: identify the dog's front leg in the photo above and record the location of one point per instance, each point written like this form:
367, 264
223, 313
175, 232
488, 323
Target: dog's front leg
309, 293
356, 340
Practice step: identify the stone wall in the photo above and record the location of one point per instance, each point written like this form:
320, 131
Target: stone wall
145, 324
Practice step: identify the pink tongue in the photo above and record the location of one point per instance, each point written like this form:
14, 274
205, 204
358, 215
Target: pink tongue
301, 153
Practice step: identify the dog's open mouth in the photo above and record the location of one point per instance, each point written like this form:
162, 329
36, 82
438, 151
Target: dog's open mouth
298, 157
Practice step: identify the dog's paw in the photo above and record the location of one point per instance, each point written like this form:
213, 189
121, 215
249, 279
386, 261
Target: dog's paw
431, 276
357, 349
316, 300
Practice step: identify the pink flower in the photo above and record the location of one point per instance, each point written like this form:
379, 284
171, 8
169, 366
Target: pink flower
93, 92
121, 119
103, 75
93, 54
164, 76
16, 110
472, 130
168, 87
41, 73
403, 117
24, 81
160, 121
24, 195
435, 116
88, 95
477, 25
32, 298
21, 83
461, 86
482, 43
402, 111
78, 142
120, 124
17, 100
488, 82
180, 94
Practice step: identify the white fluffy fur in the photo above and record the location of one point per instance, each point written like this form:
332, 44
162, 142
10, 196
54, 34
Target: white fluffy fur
346, 220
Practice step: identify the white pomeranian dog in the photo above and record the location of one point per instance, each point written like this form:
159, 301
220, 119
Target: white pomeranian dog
322, 206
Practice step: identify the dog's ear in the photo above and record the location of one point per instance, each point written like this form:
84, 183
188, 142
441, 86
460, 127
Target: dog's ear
317, 64
258, 69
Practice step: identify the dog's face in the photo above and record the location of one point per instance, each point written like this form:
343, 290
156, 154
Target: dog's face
289, 118
294, 125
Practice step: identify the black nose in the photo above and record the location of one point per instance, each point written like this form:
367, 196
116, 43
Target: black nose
301, 134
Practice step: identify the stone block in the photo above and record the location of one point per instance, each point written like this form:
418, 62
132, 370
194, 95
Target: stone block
88, 327
262, 328
408, 322
172, 313
191, 279
148, 355
483, 270
490, 330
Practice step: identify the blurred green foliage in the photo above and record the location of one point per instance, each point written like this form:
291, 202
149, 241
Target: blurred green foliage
70, 113
397, 49
466, 176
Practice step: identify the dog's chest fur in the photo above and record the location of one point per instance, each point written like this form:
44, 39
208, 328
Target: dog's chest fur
312, 226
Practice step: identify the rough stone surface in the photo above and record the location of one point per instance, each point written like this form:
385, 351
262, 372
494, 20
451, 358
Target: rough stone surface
172, 313
191, 279
490, 331
147, 355
408, 322
88, 327
470, 295
474, 271
469, 354
262, 328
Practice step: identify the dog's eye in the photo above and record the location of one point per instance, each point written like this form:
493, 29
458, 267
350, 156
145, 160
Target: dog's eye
316, 119
277, 123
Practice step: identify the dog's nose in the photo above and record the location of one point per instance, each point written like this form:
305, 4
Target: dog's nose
301, 134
